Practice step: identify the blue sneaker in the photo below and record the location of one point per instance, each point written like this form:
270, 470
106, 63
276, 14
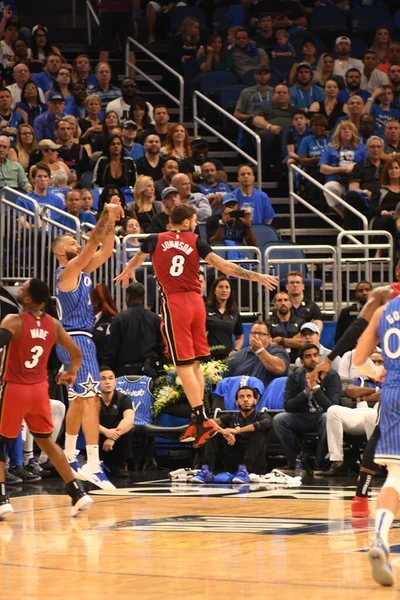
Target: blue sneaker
95, 474
241, 476
381, 569
205, 476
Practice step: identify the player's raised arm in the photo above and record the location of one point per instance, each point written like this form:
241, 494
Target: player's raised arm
366, 345
107, 246
129, 271
230, 268
74, 352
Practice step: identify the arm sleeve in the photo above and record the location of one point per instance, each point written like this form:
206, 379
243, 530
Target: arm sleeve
112, 345
356, 174
325, 157
263, 422
203, 248
303, 147
349, 338
149, 244
204, 209
126, 403
294, 400
84, 163
316, 312
268, 211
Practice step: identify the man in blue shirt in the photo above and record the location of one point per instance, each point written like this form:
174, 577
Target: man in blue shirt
46, 78
44, 124
353, 82
41, 179
73, 206
9, 119
128, 135
304, 93
211, 187
249, 197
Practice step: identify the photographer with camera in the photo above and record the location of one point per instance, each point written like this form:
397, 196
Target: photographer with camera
231, 225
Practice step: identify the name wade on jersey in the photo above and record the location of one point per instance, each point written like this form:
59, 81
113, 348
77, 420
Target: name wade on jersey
39, 333
178, 245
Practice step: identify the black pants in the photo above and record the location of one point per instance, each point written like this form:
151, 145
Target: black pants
351, 221
118, 456
250, 450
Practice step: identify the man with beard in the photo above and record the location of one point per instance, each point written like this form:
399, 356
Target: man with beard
344, 61
169, 169
392, 140
285, 326
123, 105
353, 82
150, 163
349, 314
210, 186
160, 127
306, 403
394, 82
393, 58
199, 156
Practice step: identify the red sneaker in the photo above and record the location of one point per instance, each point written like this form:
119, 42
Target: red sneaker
204, 431
359, 507
189, 435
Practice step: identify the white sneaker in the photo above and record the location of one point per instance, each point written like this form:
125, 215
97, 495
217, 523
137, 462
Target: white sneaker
97, 477
5, 507
381, 569
75, 466
80, 505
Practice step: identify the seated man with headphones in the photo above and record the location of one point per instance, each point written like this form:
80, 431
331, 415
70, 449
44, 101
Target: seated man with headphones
243, 443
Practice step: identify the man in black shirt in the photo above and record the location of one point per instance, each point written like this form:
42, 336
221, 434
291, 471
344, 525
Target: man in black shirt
160, 127
150, 164
170, 168
303, 308
74, 155
199, 156
116, 422
170, 198
134, 345
350, 313
265, 38
243, 443
285, 326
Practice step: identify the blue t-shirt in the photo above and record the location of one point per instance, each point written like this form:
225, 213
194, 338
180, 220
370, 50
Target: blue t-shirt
84, 217
43, 80
304, 98
51, 199
311, 147
341, 158
135, 152
14, 121
212, 189
245, 362
259, 201
382, 116
343, 96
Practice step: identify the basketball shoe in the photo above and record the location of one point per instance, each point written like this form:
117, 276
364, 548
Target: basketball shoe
381, 569
189, 435
5, 506
80, 501
204, 431
95, 474
359, 507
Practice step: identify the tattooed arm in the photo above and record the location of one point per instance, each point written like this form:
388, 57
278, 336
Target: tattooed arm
230, 268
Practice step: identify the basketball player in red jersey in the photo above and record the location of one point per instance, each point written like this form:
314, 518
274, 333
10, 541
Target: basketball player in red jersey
176, 255
29, 338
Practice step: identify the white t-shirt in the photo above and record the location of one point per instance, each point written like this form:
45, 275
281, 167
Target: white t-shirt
7, 55
347, 370
340, 67
122, 109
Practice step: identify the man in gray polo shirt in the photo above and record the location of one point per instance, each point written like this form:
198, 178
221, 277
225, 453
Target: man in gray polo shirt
11, 173
255, 97
246, 56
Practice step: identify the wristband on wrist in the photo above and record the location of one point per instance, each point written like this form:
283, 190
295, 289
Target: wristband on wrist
221, 223
257, 352
268, 126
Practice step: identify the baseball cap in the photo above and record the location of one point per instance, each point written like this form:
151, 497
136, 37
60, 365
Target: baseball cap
55, 97
130, 123
227, 197
304, 65
48, 145
36, 27
168, 190
262, 69
199, 142
342, 38
310, 326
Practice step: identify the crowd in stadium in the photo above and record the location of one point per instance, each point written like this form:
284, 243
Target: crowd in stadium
73, 135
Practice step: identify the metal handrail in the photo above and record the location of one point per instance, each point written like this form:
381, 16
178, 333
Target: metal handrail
293, 196
197, 121
179, 101
90, 11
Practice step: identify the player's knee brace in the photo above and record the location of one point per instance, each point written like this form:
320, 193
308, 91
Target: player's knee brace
393, 478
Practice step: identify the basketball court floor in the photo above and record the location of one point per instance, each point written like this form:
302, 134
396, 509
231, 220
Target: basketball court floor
158, 540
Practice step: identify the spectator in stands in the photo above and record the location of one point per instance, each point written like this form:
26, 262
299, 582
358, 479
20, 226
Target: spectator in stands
12, 173
359, 420
330, 107
92, 124
116, 422
347, 370
185, 45
178, 142
210, 186
140, 114
116, 19
21, 53
269, 123
10, 36
338, 159
21, 75
364, 182
145, 204
261, 358
182, 183
393, 58
215, 57
392, 139
353, 81
294, 136
223, 319
87, 201
111, 126
265, 39
355, 108
156, 11
62, 83
75, 105
61, 174
46, 78
104, 89
309, 53
139, 324
105, 309
344, 61
225, 226
25, 145
151, 163
371, 78
124, 104
245, 55
249, 197
31, 105
199, 156
108, 192
310, 152
324, 71
128, 136
381, 43
9, 119
394, 82
383, 111
41, 181
170, 167
367, 127
169, 198
282, 48
310, 334
82, 72
382, 206
73, 207
45, 124
114, 168
302, 307
74, 155
306, 403
350, 313
41, 48
304, 93
242, 444
160, 127
255, 97
285, 326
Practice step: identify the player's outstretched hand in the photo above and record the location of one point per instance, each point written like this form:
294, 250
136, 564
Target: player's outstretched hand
270, 281
66, 378
124, 277
114, 208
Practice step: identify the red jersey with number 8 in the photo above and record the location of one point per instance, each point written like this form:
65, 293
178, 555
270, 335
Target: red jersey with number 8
176, 262
26, 357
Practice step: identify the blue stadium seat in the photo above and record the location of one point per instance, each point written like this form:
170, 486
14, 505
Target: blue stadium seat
178, 15
272, 397
214, 81
358, 47
248, 79
265, 233
281, 66
227, 388
369, 18
294, 252
230, 95
327, 18
396, 19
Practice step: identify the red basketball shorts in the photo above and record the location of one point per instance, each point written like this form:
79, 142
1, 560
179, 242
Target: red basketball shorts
184, 328
30, 402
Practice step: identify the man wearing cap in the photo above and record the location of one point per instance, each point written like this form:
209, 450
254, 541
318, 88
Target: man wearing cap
47, 77
170, 167
310, 334
393, 58
344, 61
73, 206
44, 124
10, 36
160, 127
9, 119
285, 326
210, 186
246, 56
255, 97
123, 105
183, 184
21, 75
224, 226
169, 198
128, 135
304, 93
200, 148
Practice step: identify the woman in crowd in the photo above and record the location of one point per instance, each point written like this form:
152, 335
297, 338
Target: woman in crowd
82, 72
26, 144
108, 192
354, 108
145, 204
62, 83
61, 174
185, 44
111, 126
381, 44
223, 319
215, 57
30, 106
178, 142
87, 201
309, 55
331, 107
338, 159
324, 71
382, 112
382, 206
114, 168
92, 123
40, 48
139, 113
104, 310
